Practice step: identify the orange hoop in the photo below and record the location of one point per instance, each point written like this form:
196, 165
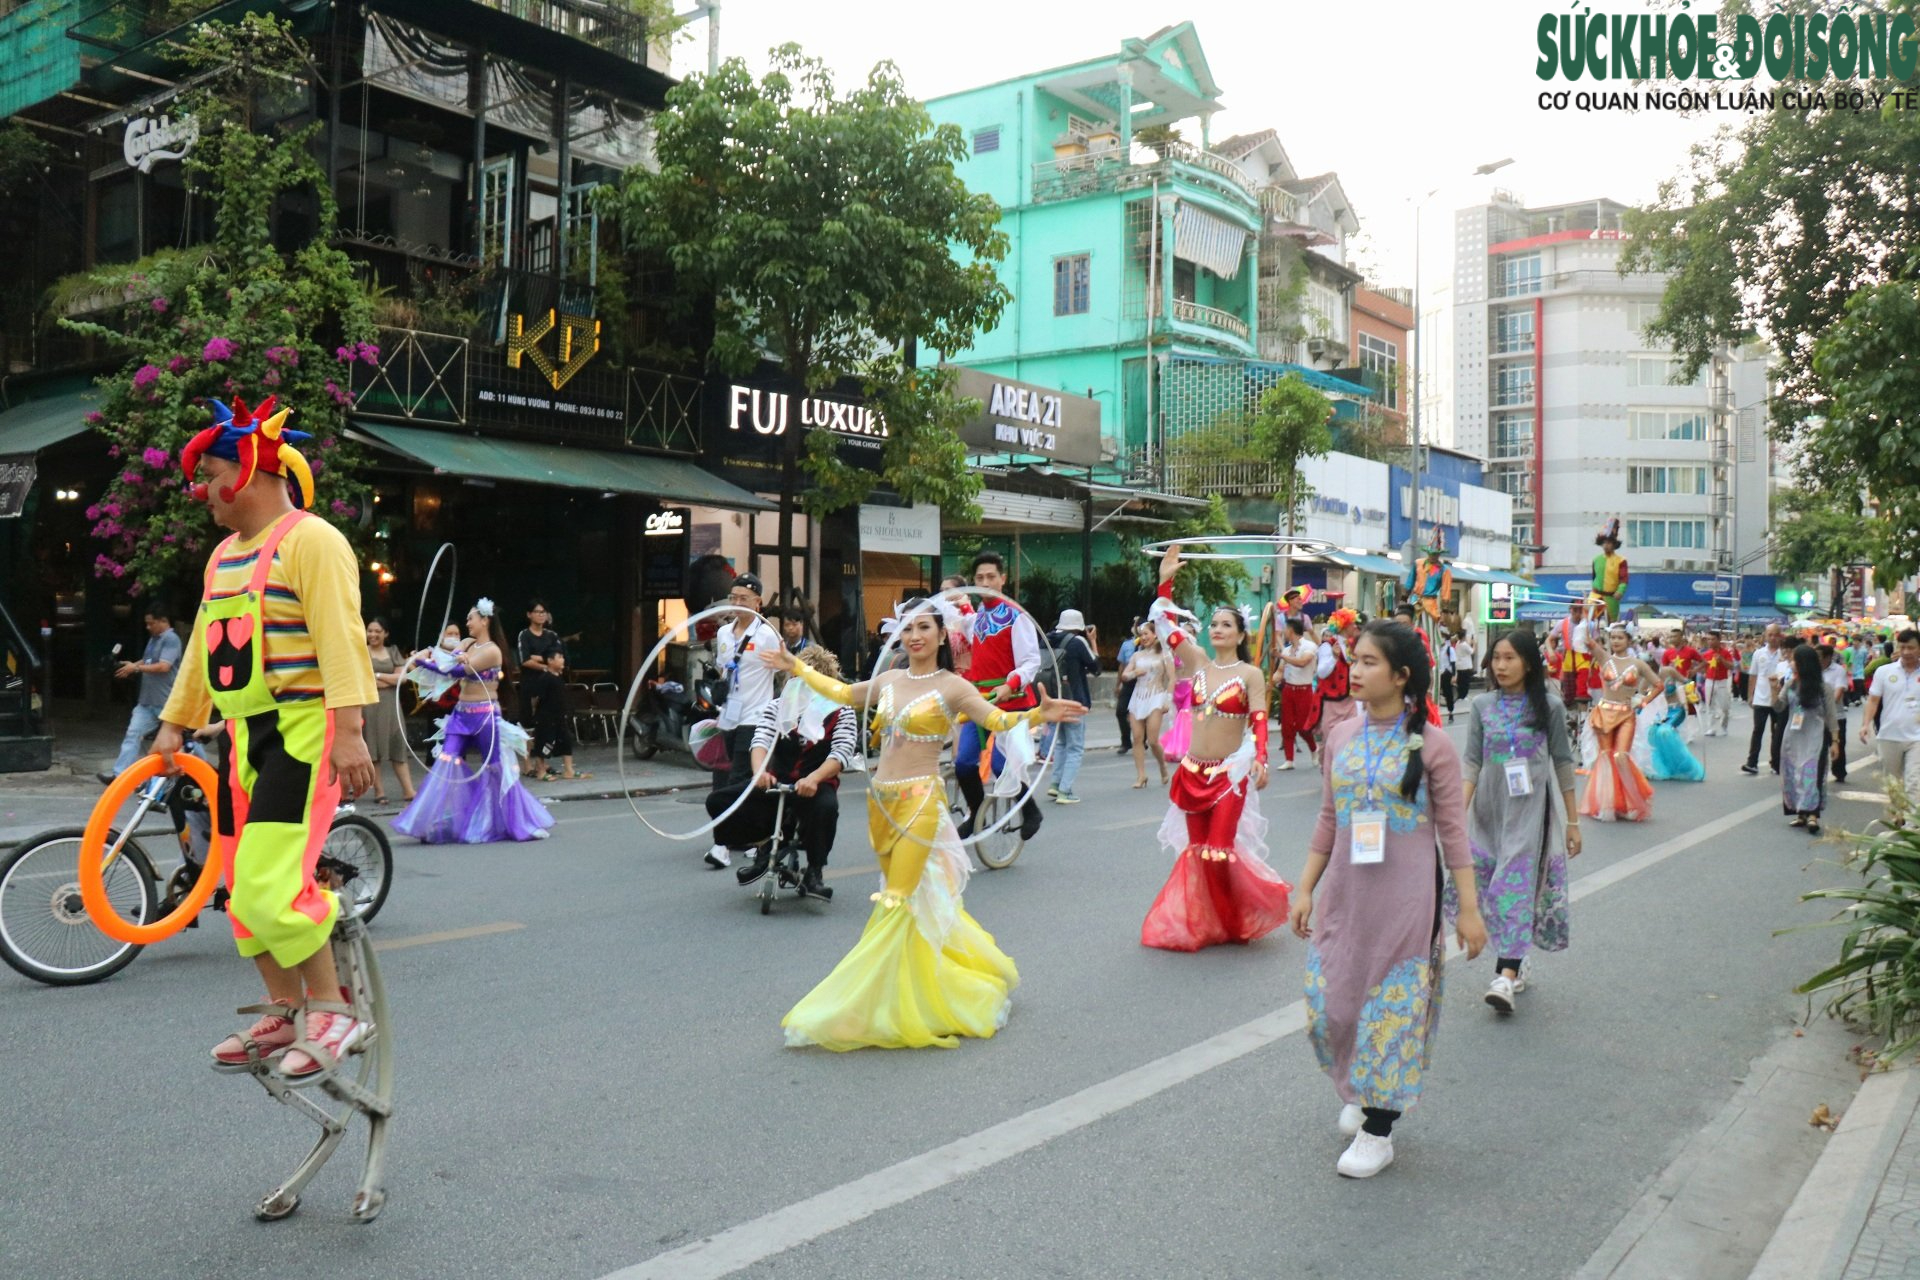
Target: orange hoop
93, 847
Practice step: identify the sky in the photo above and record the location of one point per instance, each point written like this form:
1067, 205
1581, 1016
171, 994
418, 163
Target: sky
1398, 96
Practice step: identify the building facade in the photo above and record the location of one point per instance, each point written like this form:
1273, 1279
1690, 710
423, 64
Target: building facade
1556, 385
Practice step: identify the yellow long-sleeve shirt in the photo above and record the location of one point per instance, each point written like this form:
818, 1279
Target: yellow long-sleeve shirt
316, 644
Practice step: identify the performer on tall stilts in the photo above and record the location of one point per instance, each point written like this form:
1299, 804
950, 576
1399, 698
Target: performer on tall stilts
924, 972
1221, 888
457, 805
1616, 787
279, 652
1610, 571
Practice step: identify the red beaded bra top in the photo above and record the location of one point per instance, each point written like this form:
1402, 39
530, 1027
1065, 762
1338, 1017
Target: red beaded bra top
1230, 700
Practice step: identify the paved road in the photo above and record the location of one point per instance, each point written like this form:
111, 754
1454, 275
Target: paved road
600, 1081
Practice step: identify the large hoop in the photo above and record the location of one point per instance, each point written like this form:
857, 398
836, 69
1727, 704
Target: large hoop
626, 717
879, 665
1260, 546
93, 847
446, 615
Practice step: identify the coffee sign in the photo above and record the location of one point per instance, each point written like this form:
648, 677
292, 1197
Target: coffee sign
151, 139
1024, 420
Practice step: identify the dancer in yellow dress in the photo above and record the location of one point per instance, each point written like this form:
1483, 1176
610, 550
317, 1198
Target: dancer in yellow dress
924, 972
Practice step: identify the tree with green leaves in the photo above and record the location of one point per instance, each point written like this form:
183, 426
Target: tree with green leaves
1818, 530
1290, 425
237, 317
1804, 225
831, 232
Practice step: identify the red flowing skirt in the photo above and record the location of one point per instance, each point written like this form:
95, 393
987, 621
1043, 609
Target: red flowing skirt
1220, 890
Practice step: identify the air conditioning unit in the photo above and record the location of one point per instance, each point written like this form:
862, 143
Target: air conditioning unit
1316, 347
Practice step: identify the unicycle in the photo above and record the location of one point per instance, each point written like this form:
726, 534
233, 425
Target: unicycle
1000, 847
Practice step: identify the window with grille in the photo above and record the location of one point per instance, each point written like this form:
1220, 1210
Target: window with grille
1377, 355
1666, 479
1071, 278
1658, 371
1081, 127
1513, 385
1516, 275
1511, 435
987, 139
1666, 424
1513, 331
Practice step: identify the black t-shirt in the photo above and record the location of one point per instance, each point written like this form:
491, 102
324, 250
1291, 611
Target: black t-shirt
545, 645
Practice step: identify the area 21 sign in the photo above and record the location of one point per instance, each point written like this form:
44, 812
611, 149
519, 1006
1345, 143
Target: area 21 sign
1020, 419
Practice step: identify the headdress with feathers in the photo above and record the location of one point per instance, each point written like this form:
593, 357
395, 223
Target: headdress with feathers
257, 439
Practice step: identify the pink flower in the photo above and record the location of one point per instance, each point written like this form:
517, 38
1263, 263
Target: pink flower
95, 417
131, 477
93, 511
156, 458
346, 510
218, 349
289, 356
113, 451
177, 364
369, 352
111, 508
145, 377
271, 378
159, 304
166, 537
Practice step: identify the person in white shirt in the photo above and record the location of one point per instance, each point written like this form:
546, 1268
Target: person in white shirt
1443, 671
1299, 708
1894, 697
1465, 658
1764, 678
749, 687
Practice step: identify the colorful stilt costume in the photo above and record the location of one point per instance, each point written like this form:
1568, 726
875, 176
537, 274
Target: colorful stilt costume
458, 805
1610, 570
924, 972
1221, 888
277, 646
1429, 583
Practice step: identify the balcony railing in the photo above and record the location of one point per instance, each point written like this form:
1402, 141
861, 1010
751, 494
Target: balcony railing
1210, 318
604, 26
1297, 217
1229, 479
1111, 169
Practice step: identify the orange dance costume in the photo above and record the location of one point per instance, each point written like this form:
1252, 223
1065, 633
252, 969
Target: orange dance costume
1616, 788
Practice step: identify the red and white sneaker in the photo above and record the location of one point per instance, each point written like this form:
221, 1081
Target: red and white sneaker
332, 1032
268, 1036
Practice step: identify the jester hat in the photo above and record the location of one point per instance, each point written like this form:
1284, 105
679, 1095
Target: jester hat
1609, 532
1341, 619
256, 439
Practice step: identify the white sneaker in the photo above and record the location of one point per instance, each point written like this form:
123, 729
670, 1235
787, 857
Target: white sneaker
1286, 764
1520, 983
1368, 1155
1500, 994
718, 857
1351, 1118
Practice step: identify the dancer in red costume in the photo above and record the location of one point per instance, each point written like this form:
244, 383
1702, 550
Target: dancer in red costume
1334, 659
1221, 888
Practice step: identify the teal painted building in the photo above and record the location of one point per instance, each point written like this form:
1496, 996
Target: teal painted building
1126, 243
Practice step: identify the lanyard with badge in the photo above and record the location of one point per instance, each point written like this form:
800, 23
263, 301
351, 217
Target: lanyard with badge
1369, 843
1519, 775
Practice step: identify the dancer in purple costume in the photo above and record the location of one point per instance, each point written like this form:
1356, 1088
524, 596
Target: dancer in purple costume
458, 805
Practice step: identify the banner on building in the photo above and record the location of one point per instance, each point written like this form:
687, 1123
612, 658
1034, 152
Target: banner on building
912, 531
1022, 419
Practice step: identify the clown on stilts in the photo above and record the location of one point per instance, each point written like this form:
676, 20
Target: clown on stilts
278, 651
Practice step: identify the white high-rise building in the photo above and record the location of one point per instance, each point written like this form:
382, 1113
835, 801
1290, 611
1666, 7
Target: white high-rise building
1556, 386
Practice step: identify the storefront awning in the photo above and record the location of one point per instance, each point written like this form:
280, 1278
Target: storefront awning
1463, 574
1029, 510
28, 428
518, 461
1382, 565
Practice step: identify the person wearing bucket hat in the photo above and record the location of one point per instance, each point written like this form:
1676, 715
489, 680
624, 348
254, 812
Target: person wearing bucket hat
1077, 664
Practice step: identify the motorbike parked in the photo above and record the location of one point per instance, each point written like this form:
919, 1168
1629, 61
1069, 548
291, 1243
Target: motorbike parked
669, 710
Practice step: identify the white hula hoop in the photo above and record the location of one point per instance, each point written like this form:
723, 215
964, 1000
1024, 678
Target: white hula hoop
446, 616
626, 717
879, 664
1266, 546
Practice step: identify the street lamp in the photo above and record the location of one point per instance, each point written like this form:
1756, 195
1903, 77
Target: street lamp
1480, 171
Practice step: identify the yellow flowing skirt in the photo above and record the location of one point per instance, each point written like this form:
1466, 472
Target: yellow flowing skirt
924, 972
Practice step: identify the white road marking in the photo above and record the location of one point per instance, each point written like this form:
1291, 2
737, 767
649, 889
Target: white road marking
446, 935
748, 1243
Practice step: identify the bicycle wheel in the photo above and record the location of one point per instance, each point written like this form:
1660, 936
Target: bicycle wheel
998, 850
364, 863
44, 930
